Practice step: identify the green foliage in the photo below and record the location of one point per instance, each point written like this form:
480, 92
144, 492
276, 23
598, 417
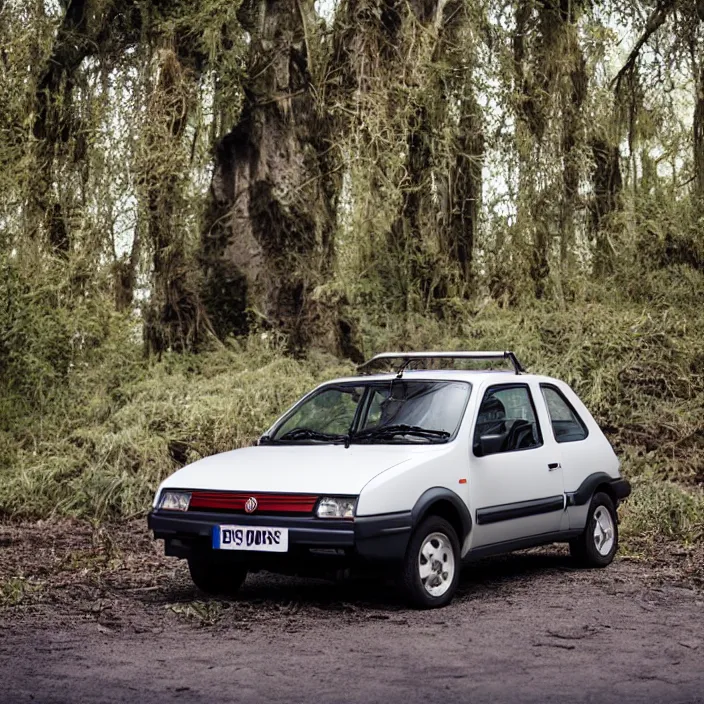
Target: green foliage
118, 428
49, 329
639, 370
660, 510
118, 425
204, 613
17, 590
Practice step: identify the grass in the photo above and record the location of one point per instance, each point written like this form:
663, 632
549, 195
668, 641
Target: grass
119, 433
17, 590
101, 441
204, 613
658, 510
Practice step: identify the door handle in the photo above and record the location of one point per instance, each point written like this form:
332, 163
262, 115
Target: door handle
553, 466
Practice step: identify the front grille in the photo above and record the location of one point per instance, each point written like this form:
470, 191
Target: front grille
233, 502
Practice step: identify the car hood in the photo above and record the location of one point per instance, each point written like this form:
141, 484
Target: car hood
307, 469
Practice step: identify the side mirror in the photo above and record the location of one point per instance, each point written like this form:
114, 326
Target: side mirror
487, 445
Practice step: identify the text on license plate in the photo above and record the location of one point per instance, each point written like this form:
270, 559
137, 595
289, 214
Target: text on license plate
261, 538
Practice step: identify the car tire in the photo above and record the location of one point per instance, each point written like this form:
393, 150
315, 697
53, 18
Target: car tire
216, 578
431, 566
597, 545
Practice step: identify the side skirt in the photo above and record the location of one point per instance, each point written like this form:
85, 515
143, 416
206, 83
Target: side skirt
520, 544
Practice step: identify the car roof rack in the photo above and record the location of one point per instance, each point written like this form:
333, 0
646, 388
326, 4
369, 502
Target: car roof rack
409, 357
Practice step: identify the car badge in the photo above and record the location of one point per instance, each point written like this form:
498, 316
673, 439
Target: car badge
251, 505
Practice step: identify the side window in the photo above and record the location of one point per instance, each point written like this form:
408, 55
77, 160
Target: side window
567, 426
506, 421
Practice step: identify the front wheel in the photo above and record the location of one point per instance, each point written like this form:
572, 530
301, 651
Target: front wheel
431, 568
597, 545
216, 578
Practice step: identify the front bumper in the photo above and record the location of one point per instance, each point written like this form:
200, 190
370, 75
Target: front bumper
366, 538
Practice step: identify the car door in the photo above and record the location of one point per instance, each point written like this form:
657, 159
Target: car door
516, 484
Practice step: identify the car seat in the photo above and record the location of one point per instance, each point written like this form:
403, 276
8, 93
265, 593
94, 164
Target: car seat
519, 437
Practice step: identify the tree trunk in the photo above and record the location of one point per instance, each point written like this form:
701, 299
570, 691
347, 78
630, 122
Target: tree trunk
405, 236
530, 128
398, 87
460, 183
125, 275
467, 191
54, 123
174, 318
459, 186
607, 185
59, 138
574, 95
269, 243
548, 62
698, 133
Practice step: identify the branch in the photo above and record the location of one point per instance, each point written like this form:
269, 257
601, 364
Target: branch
655, 21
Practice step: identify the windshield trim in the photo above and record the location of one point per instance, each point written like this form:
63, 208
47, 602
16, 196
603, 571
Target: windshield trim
363, 405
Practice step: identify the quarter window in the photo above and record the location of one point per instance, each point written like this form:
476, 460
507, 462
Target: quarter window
506, 421
567, 426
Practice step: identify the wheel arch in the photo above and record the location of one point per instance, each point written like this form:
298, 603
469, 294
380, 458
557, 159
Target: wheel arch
606, 488
440, 501
616, 488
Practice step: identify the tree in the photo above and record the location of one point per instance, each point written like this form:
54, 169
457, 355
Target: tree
174, 316
269, 242
551, 81
459, 171
607, 184
698, 118
402, 85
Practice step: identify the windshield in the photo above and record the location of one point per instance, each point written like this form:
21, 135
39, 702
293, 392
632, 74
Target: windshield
399, 411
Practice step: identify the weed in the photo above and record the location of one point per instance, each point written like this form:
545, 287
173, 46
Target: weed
206, 613
17, 590
658, 509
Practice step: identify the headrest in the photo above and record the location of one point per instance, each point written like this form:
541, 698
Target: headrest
492, 409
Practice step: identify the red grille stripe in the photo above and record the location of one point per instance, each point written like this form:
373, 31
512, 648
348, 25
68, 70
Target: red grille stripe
280, 503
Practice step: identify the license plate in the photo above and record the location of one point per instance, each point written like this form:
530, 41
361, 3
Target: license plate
260, 539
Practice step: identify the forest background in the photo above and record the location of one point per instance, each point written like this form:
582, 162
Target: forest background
206, 208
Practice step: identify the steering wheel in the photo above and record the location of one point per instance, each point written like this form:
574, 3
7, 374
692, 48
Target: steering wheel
517, 435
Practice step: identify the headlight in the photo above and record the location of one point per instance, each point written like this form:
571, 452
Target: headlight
336, 507
175, 500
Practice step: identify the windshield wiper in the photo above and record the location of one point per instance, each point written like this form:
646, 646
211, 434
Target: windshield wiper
388, 431
308, 434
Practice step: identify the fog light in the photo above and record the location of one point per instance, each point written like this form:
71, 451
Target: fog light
336, 507
175, 500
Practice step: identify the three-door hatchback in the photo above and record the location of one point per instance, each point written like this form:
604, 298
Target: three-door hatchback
411, 473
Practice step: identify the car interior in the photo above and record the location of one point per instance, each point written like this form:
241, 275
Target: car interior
495, 432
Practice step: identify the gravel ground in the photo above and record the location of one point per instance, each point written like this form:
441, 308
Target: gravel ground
100, 616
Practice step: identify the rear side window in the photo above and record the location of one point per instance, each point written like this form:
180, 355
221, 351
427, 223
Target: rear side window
567, 426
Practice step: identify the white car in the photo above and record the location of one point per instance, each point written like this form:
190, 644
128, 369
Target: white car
413, 472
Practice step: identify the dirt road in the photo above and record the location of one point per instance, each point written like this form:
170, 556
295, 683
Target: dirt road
121, 624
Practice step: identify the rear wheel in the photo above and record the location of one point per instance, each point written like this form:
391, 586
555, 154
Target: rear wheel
216, 578
431, 568
597, 545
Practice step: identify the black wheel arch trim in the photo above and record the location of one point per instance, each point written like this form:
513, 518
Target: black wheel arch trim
621, 488
435, 495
